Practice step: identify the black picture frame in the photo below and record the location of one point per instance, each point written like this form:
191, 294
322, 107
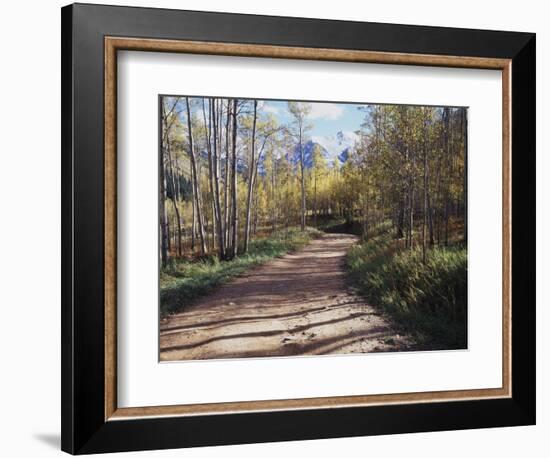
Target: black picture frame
84, 428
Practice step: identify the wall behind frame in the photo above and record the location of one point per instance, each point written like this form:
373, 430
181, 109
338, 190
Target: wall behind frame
30, 229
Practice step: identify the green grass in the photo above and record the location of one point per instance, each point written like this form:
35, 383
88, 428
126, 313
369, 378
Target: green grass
428, 300
184, 281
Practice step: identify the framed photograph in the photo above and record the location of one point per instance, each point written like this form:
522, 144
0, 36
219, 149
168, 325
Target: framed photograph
283, 228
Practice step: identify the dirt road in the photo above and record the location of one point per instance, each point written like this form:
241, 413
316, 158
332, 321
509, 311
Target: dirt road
295, 305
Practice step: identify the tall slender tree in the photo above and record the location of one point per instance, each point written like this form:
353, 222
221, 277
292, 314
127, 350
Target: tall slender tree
164, 230
226, 175
196, 179
167, 142
234, 201
216, 178
251, 168
299, 128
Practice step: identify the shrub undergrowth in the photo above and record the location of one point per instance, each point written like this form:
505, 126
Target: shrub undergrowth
427, 299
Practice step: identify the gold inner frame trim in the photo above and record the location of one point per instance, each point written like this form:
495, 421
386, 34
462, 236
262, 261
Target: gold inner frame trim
114, 44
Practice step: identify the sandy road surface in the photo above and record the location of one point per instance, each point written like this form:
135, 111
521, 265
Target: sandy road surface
298, 304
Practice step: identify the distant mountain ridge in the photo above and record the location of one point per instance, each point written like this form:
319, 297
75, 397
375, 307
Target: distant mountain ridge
342, 140
341, 145
344, 155
308, 149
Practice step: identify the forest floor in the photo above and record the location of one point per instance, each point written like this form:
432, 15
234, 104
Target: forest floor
298, 304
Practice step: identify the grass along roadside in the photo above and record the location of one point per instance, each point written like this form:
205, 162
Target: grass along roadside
428, 300
185, 281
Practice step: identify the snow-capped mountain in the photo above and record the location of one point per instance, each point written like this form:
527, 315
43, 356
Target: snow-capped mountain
308, 150
333, 147
344, 155
337, 145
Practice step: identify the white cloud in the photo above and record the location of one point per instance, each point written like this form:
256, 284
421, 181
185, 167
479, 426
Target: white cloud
325, 110
267, 108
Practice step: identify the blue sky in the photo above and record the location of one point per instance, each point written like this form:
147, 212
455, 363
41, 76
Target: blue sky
326, 119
